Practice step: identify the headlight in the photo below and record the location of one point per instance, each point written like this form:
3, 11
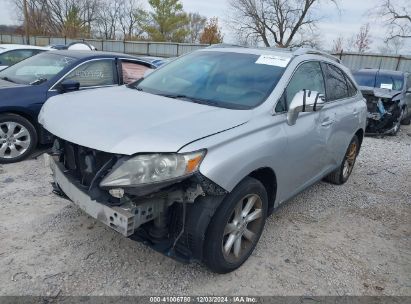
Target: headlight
153, 168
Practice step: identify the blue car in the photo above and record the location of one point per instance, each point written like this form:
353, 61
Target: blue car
25, 87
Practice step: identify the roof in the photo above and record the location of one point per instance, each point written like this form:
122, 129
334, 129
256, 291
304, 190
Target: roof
380, 71
9, 47
283, 52
91, 54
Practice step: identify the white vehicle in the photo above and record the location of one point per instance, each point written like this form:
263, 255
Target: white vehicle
13, 53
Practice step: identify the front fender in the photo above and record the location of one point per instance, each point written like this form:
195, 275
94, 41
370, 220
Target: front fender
234, 154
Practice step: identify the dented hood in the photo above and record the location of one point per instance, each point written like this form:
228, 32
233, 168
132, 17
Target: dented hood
379, 92
125, 121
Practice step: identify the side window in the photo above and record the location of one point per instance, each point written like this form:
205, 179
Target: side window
308, 76
94, 73
352, 90
12, 57
337, 86
132, 71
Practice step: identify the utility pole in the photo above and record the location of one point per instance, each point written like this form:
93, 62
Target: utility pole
26, 22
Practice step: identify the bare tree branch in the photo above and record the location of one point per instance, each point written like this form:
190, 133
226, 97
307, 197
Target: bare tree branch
276, 22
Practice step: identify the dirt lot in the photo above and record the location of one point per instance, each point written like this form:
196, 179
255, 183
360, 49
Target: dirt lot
330, 240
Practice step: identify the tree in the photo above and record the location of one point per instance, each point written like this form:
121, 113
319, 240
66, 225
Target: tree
73, 25
392, 46
107, 19
168, 21
195, 26
275, 21
211, 33
396, 16
363, 39
37, 16
338, 45
131, 17
56, 17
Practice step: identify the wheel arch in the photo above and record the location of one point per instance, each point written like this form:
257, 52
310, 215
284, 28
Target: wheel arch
21, 113
268, 178
360, 135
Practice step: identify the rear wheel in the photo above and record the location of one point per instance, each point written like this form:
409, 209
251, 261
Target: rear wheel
18, 138
343, 172
236, 227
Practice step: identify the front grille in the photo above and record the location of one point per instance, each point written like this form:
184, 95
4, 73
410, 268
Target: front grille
80, 162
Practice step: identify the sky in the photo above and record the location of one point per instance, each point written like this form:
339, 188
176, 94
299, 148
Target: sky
345, 22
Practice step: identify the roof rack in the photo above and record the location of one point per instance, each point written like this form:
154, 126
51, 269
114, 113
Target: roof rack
225, 45
303, 51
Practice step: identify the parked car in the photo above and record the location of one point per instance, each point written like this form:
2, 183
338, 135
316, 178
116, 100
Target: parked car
12, 53
157, 61
193, 158
25, 86
74, 46
388, 95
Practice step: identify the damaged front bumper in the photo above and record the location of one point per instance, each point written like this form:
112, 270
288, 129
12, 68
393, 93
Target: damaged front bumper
172, 220
121, 219
384, 110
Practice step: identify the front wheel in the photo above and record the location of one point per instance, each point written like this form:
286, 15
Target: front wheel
407, 117
236, 227
340, 175
18, 138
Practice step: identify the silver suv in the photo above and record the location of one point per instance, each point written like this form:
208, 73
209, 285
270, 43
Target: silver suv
193, 158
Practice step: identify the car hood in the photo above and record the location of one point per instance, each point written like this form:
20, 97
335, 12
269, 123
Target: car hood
125, 121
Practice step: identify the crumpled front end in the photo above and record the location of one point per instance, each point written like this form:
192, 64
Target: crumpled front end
170, 217
384, 110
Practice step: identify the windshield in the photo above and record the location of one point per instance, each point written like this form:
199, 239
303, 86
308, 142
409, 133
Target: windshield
36, 69
380, 80
222, 79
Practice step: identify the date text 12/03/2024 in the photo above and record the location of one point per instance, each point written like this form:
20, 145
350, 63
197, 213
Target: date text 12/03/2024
204, 299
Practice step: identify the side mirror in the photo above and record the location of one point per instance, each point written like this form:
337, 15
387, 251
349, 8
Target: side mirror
304, 101
68, 86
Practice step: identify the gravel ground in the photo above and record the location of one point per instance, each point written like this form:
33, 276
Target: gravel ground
353, 239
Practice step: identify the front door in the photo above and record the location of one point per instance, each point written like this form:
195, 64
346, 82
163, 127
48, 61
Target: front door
305, 154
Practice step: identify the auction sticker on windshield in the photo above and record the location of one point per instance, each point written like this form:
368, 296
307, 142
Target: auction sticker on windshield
386, 86
273, 60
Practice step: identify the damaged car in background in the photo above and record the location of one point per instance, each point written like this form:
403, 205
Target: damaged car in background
388, 96
193, 158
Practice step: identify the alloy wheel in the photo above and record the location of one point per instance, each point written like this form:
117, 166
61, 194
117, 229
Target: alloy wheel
350, 159
242, 229
14, 139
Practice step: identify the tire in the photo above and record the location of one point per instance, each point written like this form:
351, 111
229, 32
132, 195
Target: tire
228, 226
340, 175
406, 121
18, 138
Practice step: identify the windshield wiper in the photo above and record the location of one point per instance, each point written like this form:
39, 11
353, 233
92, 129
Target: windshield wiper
7, 79
38, 81
193, 99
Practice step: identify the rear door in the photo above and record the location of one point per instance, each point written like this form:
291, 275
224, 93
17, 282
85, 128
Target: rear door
340, 115
131, 70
